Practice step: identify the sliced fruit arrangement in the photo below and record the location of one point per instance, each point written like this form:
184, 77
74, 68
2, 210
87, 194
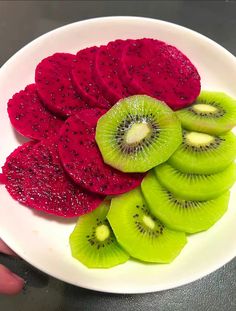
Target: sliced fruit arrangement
96, 133
212, 112
182, 214
131, 135
141, 234
82, 159
85, 81
93, 241
36, 178
160, 70
190, 192
103, 75
108, 62
195, 186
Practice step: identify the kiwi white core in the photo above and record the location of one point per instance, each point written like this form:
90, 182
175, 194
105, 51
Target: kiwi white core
199, 139
102, 232
137, 132
204, 108
148, 221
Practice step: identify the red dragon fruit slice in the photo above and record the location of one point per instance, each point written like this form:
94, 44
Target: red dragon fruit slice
53, 81
91, 116
14, 171
83, 161
160, 70
2, 179
107, 68
83, 74
29, 116
48, 187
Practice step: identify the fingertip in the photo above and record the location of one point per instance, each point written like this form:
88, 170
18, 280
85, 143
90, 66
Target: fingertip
10, 283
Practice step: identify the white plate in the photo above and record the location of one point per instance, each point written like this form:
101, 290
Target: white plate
43, 240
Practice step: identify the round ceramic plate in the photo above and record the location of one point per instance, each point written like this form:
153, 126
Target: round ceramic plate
43, 240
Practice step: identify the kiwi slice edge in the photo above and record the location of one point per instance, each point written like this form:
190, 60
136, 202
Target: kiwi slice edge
202, 153
199, 187
179, 214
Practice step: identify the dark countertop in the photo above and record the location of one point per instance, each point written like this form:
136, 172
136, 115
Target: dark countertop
21, 22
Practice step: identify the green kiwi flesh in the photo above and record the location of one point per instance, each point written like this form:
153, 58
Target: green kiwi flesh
131, 135
180, 214
141, 234
195, 186
212, 112
202, 153
93, 243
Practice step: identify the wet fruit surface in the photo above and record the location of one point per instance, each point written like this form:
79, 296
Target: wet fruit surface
49, 189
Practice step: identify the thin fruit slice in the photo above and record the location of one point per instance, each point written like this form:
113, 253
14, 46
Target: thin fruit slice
195, 186
49, 189
107, 68
14, 171
82, 159
161, 71
212, 113
83, 74
53, 81
201, 153
141, 234
93, 243
180, 214
29, 116
138, 133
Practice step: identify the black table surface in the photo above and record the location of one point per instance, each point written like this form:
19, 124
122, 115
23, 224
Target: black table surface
23, 21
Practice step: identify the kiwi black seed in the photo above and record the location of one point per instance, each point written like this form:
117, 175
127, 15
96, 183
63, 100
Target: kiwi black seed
127, 123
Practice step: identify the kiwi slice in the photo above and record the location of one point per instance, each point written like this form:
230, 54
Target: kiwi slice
212, 113
141, 234
195, 186
180, 214
138, 133
93, 243
202, 153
